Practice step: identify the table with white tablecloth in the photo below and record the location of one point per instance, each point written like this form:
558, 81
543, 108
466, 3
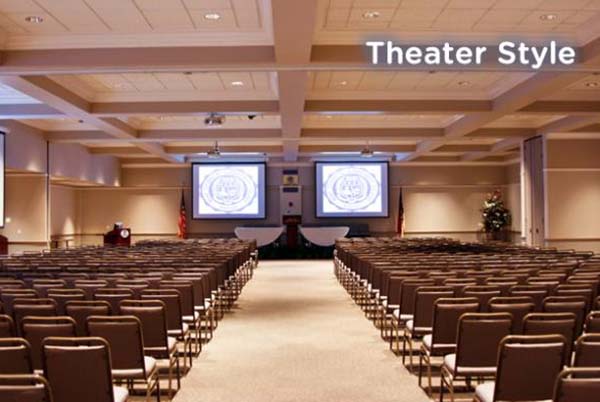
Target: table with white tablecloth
324, 235
263, 235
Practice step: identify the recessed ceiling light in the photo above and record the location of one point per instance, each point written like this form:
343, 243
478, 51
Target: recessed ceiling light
464, 83
212, 16
34, 19
592, 84
343, 83
548, 17
237, 83
370, 15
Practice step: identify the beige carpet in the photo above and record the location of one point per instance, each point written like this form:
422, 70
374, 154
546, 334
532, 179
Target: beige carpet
297, 336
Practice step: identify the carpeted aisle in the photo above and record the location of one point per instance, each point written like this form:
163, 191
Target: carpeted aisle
297, 336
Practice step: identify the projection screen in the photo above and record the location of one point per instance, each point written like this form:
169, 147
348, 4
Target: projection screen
351, 189
226, 190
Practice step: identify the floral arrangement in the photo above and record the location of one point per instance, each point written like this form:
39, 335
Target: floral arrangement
496, 217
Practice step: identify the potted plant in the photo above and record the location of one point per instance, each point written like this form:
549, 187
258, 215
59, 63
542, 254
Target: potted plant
496, 217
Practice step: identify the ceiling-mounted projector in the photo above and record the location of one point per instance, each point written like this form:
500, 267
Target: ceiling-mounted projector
215, 152
214, 119
367, 152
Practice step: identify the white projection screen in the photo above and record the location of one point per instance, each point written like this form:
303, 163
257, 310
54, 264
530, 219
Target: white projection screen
351, 189
2, 178
229, 190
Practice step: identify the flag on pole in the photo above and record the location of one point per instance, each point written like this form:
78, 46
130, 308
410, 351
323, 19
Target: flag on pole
182, 223
400, 216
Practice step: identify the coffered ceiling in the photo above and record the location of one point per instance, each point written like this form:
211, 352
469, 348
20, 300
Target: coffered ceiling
137, 78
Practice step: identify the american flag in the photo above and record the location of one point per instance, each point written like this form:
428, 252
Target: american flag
182, 223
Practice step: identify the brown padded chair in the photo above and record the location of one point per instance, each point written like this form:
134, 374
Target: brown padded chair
587, 351
573, 289
24, 388
124, 335
62, 296
406, 310
114, 296
577, 385
15, 356
157, 343
568, 304
175, 325
442, 340
89, 286
191, 317
135, 285
518, 306
422, 322
537, 293
526, 370
43, 285
592, 323
80, 310
79, 369
32, 307
35, 329
552, 323
479, 335
8, 297
7, 326
483, 293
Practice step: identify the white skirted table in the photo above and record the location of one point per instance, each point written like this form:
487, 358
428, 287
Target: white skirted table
325, 235
262, 235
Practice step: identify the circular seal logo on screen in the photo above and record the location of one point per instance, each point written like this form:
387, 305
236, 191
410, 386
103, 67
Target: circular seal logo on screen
352, 189
228, 190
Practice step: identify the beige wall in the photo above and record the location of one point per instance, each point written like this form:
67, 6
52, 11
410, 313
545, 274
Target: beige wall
65, 211
438, 200
572, 178
25, 224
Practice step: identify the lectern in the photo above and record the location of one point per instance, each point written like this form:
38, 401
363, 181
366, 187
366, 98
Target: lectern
119, 236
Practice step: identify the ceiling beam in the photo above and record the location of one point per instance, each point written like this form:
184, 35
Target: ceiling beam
356, 148
569, 124
62, 99
293, 29
197, 149
120, 109
28, 111
372, 133
397, 106
499, 147
140, 59
570, 107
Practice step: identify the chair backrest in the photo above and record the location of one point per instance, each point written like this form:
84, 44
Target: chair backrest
114, 296
425, 298
43, 285
518, 306
568, 304
81, 310
483, 293
587, 351
89, 286
135, 285
592, 322
479, 335
186, 294
536, 292
446, 313
124, 335
33, 307
24, 388
8, 296
78, 369
552, 323
408, 291
7, 326
577, 385
35, 329
528, 366
152, 315
62, 296
172, 300
15, 356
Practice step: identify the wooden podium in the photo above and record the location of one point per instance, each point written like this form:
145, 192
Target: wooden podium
118, 237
